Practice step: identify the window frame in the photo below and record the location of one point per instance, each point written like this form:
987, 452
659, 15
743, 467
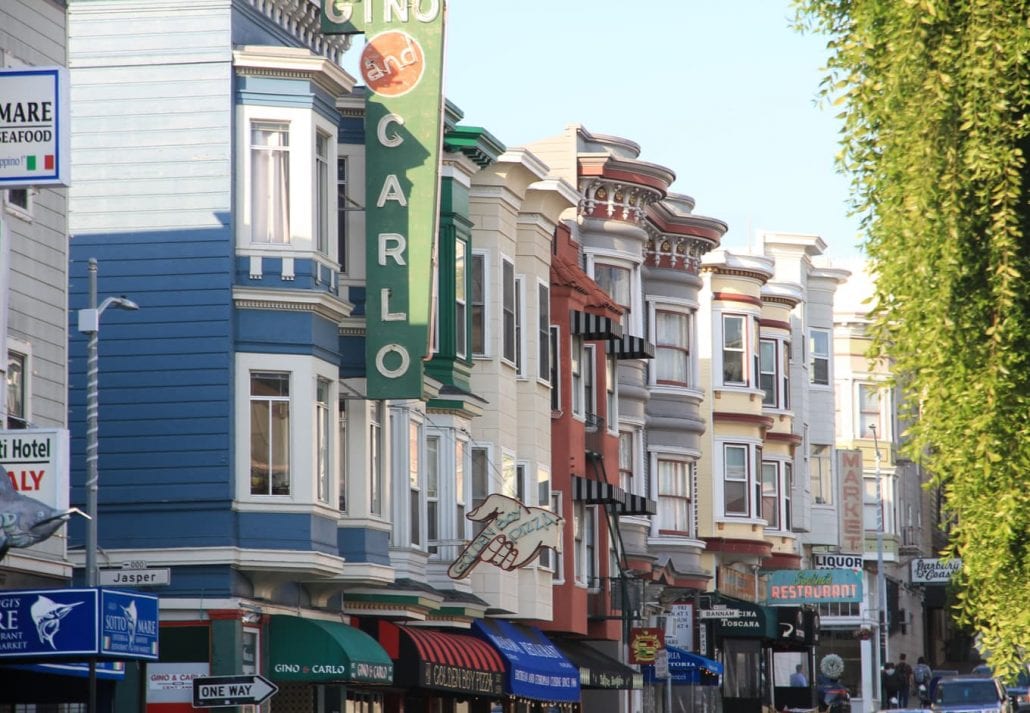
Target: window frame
323, 439
770, 394
322, 200
281, 156
554, 334
416, 487
576, 377
611, 389
632, 316
16, 207
521, 370
818, 474
479, 322
684, 350
741, 351
543, 329
461, 320
665, 494
377, 420
746, 480
771, 495
816, 356
343, 207
509, 309
22, 354
271, 400
863, 412
590, 385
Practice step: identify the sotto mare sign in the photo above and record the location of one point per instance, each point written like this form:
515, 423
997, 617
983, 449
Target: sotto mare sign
402, 66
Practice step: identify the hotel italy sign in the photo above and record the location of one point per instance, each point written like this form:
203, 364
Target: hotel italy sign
402, 66
34, 127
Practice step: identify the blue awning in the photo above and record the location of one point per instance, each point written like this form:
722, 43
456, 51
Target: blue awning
105, 670
536, 669
688, 668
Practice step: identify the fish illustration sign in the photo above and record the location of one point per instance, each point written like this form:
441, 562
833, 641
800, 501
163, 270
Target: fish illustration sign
73, 623
33, 486
402, 66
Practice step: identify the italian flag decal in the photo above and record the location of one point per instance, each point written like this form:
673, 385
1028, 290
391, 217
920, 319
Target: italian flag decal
48, 162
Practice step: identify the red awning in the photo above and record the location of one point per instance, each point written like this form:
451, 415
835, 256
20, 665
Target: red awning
458, 650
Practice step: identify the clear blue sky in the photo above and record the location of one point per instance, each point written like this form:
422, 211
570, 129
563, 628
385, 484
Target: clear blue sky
723, 92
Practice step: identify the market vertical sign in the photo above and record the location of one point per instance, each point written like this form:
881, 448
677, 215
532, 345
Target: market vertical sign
35, 148
852, 491
402, 66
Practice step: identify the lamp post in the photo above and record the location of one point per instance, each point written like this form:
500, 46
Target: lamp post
881, 581
89, 323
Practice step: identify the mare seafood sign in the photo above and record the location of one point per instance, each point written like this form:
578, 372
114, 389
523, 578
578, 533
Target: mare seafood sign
34, 127
402, 66
78, 623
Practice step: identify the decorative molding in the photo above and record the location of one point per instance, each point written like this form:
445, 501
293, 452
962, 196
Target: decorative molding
323, 304
736, 297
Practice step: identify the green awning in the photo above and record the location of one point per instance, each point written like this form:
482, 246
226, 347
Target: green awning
324, 651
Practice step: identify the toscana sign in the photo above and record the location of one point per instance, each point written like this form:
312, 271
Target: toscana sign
402, 66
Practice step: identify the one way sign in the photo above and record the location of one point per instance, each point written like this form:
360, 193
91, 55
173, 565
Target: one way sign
221, 691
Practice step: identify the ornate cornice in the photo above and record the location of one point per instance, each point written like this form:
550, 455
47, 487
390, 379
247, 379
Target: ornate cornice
302, 20
615, 200
323, 304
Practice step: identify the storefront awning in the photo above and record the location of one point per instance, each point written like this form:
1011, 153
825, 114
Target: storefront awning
598, 670
536, 669
592, 326
597, 492
427, 658
629, 347
750, 620
688, 668
314, 650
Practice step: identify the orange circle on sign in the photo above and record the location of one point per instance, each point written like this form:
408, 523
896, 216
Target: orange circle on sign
392, 63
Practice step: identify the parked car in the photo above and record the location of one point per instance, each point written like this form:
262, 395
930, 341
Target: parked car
970, 694
1019, 692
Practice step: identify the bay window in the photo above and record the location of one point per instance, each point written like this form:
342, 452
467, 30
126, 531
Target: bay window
672, 348
869, 411
771, 494
674, 488
734, 341
617, 282
269, 433
819, 355
270, 182
736, 476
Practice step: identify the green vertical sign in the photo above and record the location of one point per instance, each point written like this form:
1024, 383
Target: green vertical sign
402, 66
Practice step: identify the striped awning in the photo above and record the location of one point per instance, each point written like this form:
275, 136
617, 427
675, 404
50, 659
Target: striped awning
592, 326
598, 492
448, 661
630, 347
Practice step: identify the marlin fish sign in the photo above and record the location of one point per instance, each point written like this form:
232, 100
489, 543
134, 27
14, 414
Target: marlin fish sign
24, 521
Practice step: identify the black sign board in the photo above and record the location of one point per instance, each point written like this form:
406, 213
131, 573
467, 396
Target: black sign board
222, 691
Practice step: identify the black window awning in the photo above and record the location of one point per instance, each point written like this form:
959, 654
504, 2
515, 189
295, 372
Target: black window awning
598, 492
630, 347
593, 327
598, 670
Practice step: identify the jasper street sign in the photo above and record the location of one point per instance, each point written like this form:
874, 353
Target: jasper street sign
221, 691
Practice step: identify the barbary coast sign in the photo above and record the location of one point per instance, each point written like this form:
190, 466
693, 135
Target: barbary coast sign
934, 571
402, 66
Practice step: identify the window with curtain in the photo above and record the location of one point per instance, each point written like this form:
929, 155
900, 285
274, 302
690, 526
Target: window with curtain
375, 457
674, 490
269, 433
627, 459
771, 494
460, 307
617, 282
819, 352
414, 481
323, 439
16, 397
478, 304
672, 348
322, 144
734, 339
433, 493
735, 480
543, 329
270, 182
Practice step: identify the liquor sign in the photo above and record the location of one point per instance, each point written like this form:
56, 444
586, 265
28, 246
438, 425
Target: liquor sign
832, 561
402, 66
35, 145
852, 527
934, 571
78, 623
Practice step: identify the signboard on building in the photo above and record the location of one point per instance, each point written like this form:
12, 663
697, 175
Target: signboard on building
741, 585
679, 626
644, 644
402, 66
34, 127
37, 463
934, 571
511, 537
832, 561
852, 528
74, 623
793, 587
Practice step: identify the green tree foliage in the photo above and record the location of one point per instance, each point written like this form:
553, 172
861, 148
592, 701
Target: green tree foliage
934, 97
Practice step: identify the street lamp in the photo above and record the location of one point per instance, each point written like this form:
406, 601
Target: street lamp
881, 580
89, 323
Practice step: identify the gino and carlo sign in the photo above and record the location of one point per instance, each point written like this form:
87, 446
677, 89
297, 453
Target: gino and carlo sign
402, 66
